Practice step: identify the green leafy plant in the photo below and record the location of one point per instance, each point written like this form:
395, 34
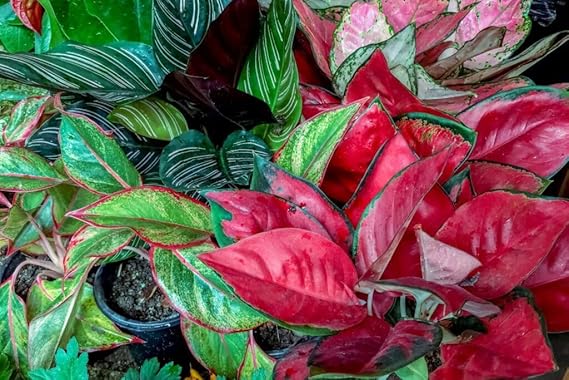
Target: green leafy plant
69, 364
151, 370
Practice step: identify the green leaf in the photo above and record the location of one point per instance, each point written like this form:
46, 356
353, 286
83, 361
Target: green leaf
14, 36
29, 234
94, 160
221, 353
197, 15
16, 220
13, 328
152, 118
150, 370
5, 370
158, 215
270, 73
414, 371
237, 156
198, 292
24, 171
116, 72
68, 365
256, 365
30, 202
80, 199
311, 145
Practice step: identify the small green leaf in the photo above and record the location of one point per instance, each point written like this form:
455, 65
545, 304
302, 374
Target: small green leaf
24, 120
414, 371
238, 153
68, 365
80, 199
5, 367
23, 171
150, 370
14, 36
150, 117
311, 145
44, 219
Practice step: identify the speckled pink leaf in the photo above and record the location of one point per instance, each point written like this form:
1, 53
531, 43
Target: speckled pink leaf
434, 32
401, 13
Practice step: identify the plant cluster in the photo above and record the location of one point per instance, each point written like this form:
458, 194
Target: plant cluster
366, 174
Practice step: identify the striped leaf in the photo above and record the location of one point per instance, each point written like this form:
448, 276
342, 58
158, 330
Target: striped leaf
23, 171
311, 145
197, 15
237, 156
270, 73
150, 117
24, 119
92, 159
116, 72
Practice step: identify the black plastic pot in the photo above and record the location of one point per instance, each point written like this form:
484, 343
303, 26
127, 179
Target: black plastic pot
162, 339
9, 265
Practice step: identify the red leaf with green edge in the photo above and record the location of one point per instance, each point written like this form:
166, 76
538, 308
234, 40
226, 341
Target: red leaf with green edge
555, 266
442, 263
29, 12
13, 327
553, 300
427, 134
320, 33
306, 279
362, 24
374, 348
402, 13
356, 151
269, 178
487, 176
316, 100
512, 14
295, 364
24, 171
375, 79
24, 119
228, 41
308, 71
437, 30
238, 214
536, 139
158, 215
459, 188
513, 347
506, 233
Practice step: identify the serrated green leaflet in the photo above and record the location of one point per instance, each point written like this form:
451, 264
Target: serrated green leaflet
311, 145
68, 365
221, 353
13, 328
116, 72
158, 215
94, 160
271, 75
150, 117
23, 171
256, 365
238, 153
199, 294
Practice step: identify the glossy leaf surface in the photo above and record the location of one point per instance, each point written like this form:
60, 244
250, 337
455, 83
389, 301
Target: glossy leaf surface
487, 176
23, 171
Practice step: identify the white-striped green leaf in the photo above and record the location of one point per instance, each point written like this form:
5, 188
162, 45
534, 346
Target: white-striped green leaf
311, 145
150, 117
116, 72
237, 156
197, 15
22, 170
270, 73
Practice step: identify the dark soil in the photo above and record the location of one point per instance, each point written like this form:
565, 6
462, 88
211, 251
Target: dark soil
433, 360
135, 295
111, 365
272, 337
25, 279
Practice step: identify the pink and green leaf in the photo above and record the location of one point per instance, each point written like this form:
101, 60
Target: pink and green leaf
14, 327
434, 32
402, 13
30, 12
459, 188
316, 100
24, 171
25, 119
256, 364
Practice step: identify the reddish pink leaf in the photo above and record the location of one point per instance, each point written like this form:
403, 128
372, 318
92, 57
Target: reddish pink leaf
356, 151
553, 300
525, 127
320, 33
514, 347
308, 70
442, 263
295, 364
305, 280
269, 178
4, 201
487, 176
434, 32
374, 347
316, 100
555, 267
402, 13
431, 56
30, 12
427, 134
237, 214
509, 233
378, 236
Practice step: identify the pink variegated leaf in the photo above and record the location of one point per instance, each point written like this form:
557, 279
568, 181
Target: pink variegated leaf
316, 100
30, 12
436, 31
487, 176
402, 13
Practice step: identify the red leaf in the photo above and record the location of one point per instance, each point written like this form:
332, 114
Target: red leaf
375, 79
524, 127
553, 300
295, 364
356, 151
29, 12
514, 347
308, 70
227, 43
459, 188
316, 100
378, 236
487, 176
238, 214
434, 32
320, 33
509, 233
402, 13
431, 56
555, 266
295, 276
374, 347
269, 178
